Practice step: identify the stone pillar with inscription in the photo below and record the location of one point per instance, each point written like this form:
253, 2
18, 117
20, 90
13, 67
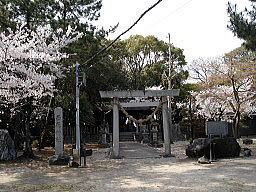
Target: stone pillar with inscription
60, 158
58, 114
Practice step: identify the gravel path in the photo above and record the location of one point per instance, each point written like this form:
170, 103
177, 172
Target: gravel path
134, 150
135, 173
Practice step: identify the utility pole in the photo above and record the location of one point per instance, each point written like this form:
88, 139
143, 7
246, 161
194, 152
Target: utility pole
78, 137
81, 159
170, 87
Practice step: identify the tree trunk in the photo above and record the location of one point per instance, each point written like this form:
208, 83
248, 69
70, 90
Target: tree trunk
236, 124
28, 152
191, 118
236, 119
233, 128
44, 126
40, 144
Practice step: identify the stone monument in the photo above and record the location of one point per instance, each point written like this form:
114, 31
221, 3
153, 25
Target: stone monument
59, 158
217, 147
58, 114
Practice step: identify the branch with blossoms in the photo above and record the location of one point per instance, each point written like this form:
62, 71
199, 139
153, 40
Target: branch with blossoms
23, 53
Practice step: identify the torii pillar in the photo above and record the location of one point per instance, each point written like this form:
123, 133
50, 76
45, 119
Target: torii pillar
167, 145
116, 149
139, 93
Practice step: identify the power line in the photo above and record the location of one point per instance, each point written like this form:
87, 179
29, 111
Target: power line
179, 8
109, 45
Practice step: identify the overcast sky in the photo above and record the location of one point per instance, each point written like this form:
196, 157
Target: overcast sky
197, 26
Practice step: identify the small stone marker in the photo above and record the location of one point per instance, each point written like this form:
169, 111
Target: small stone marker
58, 114
154, 131
155, 136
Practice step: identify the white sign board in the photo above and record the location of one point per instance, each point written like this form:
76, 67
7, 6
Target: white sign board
219, 128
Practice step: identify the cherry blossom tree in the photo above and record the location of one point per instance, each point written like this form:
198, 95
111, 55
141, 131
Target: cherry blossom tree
211, 104
29, 68
229, 86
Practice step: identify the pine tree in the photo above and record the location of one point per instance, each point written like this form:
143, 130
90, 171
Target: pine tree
57, 14
243, 24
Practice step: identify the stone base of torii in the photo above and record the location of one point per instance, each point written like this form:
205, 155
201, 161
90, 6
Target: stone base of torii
115, 95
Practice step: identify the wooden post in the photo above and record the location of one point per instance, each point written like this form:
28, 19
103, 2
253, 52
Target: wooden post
115, 130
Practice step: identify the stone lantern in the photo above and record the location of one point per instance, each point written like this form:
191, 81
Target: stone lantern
145, 134
154, 135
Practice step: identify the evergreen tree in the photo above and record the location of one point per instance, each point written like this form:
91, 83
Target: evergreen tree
146, 59
59, 14
243, 24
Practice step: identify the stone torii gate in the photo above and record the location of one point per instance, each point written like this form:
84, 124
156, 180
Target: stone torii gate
139, 93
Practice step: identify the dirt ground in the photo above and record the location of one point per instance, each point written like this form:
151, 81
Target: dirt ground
141, 169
